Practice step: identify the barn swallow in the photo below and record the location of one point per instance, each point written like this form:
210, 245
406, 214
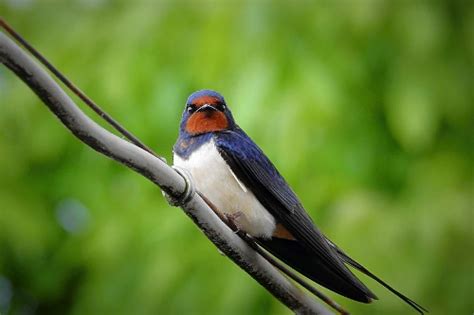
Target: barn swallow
234, 174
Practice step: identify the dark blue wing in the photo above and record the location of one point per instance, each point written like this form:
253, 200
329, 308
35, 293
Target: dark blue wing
257, 173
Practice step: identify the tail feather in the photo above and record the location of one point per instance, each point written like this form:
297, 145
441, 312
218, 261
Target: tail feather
365, 271
299, 258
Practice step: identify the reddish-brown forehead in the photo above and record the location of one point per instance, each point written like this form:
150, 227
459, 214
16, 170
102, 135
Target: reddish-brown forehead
206, 99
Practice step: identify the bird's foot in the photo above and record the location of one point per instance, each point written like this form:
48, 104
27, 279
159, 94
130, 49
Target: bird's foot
232, 220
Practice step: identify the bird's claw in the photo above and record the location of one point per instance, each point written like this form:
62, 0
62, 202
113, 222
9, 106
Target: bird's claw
232, 221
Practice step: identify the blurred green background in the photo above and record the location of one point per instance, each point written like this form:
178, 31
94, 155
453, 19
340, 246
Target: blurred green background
366, 107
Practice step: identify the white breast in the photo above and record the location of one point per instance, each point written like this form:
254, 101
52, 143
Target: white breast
214, 178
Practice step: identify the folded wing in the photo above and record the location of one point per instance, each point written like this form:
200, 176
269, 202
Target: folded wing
309, 252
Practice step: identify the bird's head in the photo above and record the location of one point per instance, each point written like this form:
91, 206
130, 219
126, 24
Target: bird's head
206, 111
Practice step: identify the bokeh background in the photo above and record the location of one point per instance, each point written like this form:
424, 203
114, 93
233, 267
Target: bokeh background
366, 107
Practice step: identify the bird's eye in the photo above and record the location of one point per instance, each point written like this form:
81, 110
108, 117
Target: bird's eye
191, 108
221, 107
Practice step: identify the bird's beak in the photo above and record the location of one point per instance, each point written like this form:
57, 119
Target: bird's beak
206, 107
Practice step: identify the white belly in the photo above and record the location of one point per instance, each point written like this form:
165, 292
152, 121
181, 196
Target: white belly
214, 178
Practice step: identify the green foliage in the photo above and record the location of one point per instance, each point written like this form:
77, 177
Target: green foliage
366, 107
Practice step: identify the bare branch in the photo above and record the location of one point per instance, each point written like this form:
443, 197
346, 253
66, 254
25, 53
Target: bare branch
159, 173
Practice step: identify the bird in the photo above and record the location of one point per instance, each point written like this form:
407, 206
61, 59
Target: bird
241, 182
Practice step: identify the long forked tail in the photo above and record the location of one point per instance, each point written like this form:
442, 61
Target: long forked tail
364, 270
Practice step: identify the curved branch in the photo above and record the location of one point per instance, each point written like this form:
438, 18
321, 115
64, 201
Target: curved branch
159, 173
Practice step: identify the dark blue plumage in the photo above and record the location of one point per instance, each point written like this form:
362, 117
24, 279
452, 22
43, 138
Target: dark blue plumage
204, 93
237, 148
187, 144
207, 122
